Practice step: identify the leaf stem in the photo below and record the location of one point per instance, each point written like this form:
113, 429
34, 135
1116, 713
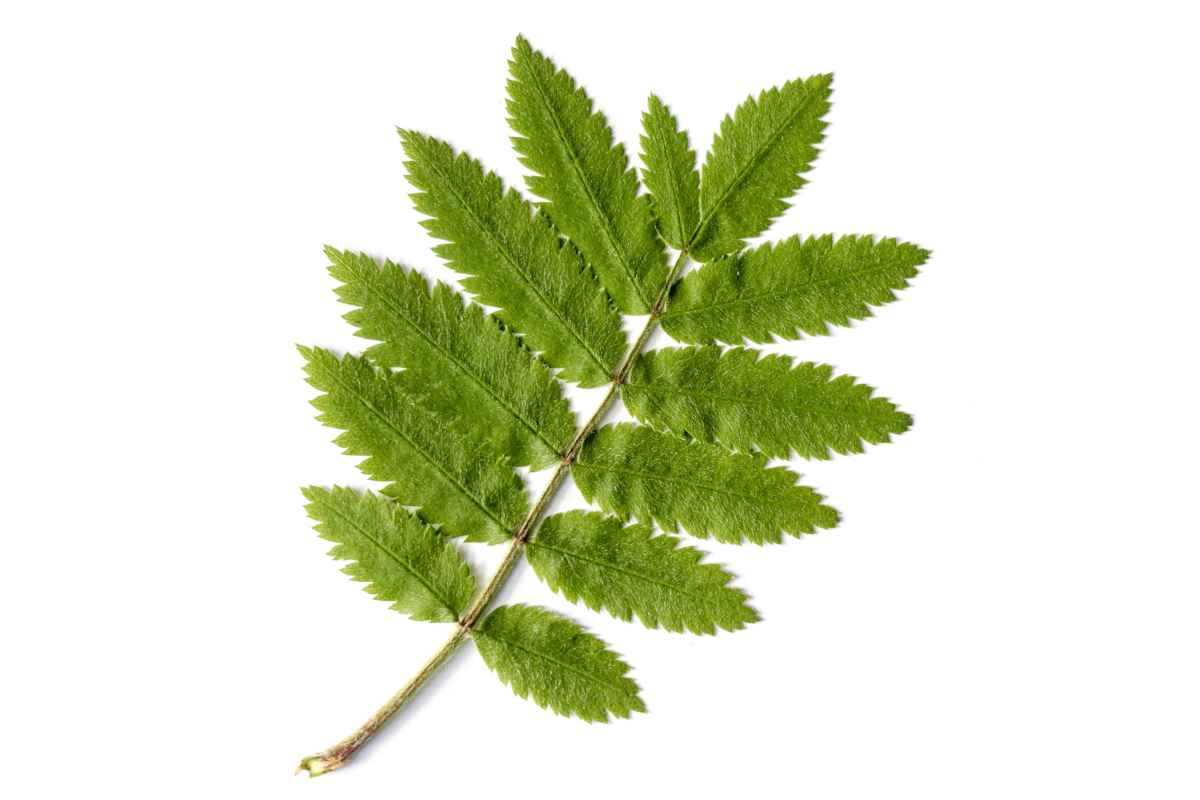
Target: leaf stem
337, 756
340, 753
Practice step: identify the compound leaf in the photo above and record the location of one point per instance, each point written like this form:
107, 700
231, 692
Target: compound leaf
745, 402
756, 161
635, 471
591, 192
467, 490
670, 174
451, 398
795, 285
545, 655
515, 261
400, 558
628, 571
499, 390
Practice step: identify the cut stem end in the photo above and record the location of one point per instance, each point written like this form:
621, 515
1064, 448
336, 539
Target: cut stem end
323, 762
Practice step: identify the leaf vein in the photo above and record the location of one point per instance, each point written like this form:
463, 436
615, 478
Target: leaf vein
546, 657
753, 163
751, 298
616, 250
351, 522
508, 257
658, 476
618, 568
399, 310
433, 462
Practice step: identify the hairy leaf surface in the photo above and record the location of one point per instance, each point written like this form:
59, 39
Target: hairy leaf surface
745, 402
546, 656
515, 261
793, 286
466, 489
591, 192
635, 471
670, 174
629, 570
499, 390
756, 161
400, 558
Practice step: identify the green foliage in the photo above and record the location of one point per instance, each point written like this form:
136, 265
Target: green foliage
546, 656
629, 570
756, 161
670, 174
400, 558
591, 192
638, 472
463, 487
515, 261
450, 399
498, 390
796, 285
749, 403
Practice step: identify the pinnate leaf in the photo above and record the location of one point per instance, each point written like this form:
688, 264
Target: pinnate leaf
756, 161
466, 489
628, 571
670, 174
499, 390
591, 192
635, 471
515, 261
749, 403
400, 558
546, 656
793, 286
451, 398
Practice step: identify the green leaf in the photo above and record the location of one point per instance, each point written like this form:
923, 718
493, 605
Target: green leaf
500, 391
467, 490
545, 655
591, 192
628, 570
745, 402
795, 285
515, 261
670, 174
634, 471
400, 558
756, 161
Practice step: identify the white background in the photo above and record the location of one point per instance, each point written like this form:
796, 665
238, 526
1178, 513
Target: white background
1009, 609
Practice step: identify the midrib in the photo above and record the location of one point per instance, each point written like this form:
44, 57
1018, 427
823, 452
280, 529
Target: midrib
424, 455
500, 248
614, 249
402, 562
400, 312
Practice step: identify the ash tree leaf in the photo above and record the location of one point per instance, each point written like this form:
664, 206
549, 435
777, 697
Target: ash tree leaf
515, 261
499, 390
756, 161
401, 559
748, 403
590, 190
635, 471
466, 489
670, 174
792, 286
546, 656
628, 571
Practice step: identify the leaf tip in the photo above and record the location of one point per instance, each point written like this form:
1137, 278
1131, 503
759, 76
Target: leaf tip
522, 48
